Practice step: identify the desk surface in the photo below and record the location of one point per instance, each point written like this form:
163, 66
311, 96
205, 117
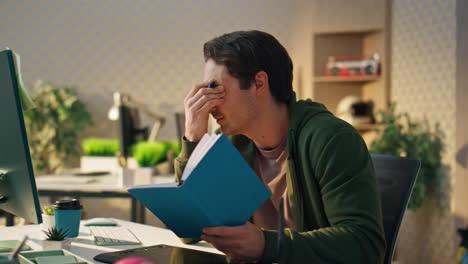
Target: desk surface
84, 245
106, 183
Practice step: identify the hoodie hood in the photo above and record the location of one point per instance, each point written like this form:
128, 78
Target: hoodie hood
303, 110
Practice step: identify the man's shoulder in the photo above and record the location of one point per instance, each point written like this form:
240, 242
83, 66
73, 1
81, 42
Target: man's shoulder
313, 118
318, 127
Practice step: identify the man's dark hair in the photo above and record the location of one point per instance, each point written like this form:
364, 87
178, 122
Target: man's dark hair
245, 53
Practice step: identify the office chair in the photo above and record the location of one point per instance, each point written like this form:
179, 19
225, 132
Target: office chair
396, 177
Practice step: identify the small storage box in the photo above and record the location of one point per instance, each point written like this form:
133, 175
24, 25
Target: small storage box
29, 257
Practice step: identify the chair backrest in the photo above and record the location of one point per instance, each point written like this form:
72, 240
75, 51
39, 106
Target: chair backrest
396, 177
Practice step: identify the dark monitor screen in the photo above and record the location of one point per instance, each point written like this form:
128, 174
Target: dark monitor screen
18, 193
130, 129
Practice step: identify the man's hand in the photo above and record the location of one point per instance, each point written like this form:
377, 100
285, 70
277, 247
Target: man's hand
199, 103
241, 243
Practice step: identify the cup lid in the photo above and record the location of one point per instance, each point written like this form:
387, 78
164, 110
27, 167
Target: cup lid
72, 204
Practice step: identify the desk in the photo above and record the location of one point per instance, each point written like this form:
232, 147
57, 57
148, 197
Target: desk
84, 246
105, 186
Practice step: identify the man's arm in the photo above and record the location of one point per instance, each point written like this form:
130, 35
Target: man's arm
198, 104
348, 187
180, 162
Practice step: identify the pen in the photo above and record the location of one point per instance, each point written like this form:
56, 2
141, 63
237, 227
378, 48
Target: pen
280, 241
212, 84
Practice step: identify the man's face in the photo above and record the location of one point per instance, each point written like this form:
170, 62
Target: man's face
238, 112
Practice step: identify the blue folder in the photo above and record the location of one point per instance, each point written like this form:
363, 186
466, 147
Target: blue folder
222, 190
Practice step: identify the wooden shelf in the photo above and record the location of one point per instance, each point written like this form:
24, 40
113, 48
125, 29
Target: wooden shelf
326, 79
363, 31
366, 127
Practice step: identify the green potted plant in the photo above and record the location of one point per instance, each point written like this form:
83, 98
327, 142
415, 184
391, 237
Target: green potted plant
99, 154
399, 135
100, 147
55, 239
147, 155
48, 217
55, 125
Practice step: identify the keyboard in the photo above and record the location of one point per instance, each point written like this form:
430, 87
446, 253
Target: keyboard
113, 236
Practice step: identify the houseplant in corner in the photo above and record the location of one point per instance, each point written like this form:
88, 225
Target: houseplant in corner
399, 135
55, 239
54, 126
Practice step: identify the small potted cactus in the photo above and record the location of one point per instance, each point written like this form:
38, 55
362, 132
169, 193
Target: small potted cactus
48, 217
56, 239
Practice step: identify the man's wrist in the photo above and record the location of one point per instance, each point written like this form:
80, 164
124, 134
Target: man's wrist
260, 257
186, 148
188, 139
192, 138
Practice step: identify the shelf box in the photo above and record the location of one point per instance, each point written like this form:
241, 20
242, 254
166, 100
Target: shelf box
325, 79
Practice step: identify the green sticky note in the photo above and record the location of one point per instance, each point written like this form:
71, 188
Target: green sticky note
10, 245
56, 260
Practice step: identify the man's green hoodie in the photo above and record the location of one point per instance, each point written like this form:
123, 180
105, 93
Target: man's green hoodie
331, 187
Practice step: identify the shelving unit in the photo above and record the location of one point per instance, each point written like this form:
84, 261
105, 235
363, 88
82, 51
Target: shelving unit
329, 90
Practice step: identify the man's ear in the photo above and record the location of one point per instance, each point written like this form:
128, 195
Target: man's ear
261, 83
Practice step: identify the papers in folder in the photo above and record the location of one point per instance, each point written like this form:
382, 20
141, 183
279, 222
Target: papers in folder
218, 189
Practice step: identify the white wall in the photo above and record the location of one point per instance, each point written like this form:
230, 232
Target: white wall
424, 85
461, 144
151, 49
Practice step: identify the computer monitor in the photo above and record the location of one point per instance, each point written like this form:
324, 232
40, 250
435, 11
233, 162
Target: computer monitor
18, 192
130, 129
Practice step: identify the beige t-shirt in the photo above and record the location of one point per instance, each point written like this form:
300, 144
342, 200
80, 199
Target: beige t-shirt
270, 165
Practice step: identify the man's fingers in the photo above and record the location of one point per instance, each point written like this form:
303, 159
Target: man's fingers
203, 92
211, 239
243, 243
222, 243
208, 106
221, 231
196, 88
219, 243
204, 97
213, 231
205, 106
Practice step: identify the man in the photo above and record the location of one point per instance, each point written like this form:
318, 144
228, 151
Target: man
318, 163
